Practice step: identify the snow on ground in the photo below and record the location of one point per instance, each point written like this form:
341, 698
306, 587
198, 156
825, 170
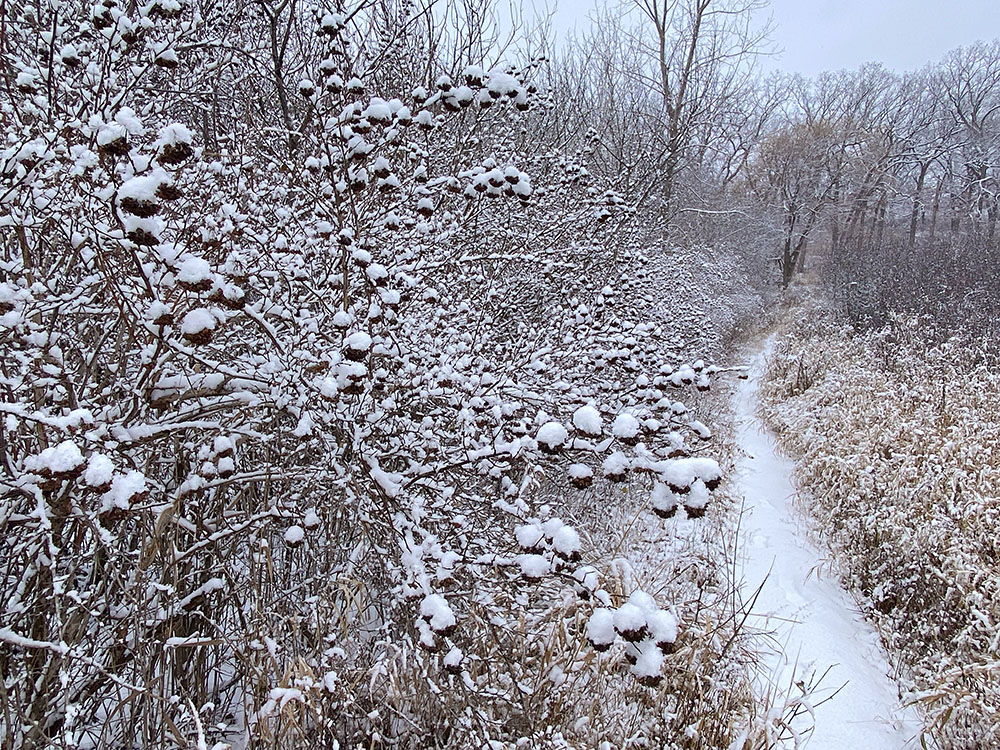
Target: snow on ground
817, 634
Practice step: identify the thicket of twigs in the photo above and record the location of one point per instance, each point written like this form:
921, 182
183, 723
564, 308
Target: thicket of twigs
300, 307
352, 351
950, 286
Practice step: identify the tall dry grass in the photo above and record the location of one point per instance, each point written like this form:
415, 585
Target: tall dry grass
897, 441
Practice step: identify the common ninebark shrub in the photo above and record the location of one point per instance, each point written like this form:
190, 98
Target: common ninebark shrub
296, 315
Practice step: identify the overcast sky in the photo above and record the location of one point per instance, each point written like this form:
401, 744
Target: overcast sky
819, 35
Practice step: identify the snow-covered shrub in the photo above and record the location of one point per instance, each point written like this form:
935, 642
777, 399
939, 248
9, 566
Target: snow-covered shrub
285, 376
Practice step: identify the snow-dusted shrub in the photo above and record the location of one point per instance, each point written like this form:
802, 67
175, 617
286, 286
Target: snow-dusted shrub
896, 440
285, 376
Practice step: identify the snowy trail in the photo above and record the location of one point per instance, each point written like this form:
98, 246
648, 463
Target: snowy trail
815, 624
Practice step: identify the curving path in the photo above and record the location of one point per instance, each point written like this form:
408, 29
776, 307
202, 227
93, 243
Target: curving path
817, 636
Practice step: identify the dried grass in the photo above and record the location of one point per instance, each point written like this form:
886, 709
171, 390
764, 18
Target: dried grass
898, 451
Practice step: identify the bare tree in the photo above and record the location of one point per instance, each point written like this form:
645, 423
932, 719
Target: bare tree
969, 80
703, 54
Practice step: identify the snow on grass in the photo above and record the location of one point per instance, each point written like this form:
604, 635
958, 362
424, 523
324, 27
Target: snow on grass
818, 636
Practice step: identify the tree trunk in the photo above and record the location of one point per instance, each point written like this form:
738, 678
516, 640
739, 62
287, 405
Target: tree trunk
856, 220
992, 210
835, 223
934, 209
800, 265
787, 258
878, 226
862, 222
915, 213
787, 265
675, 105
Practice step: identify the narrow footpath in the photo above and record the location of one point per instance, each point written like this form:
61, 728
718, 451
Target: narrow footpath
817, 636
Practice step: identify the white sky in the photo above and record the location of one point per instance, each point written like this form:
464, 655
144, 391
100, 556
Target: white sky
819, 35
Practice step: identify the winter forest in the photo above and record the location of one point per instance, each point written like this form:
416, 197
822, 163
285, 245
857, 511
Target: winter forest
395, 374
